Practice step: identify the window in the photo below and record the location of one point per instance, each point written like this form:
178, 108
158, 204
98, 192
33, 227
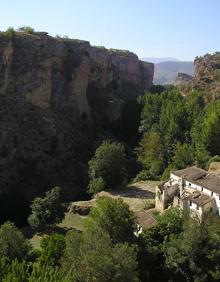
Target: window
212, 194
202, 189
189, 184
190, 203
211, 209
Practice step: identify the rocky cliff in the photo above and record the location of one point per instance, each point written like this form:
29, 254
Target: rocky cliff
183, 78
207, 75
56, 95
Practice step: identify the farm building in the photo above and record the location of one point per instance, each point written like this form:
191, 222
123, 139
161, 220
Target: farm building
192, 188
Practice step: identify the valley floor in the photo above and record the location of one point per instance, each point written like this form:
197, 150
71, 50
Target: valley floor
139, 196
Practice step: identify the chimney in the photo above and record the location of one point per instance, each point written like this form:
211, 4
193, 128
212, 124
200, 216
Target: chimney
181, 185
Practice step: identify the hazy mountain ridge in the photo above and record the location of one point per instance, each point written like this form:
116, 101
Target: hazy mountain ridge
167, 68
156, 60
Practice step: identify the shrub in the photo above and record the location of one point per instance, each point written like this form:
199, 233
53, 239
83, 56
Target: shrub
109, 163
52, 250
10, 32
48, 210
114, 217
26, 29
92, 256
13, 245
96, 185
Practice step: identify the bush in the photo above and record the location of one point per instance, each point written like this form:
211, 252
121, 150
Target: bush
114, 217
26, 29
92, 256
52, 250
96, 185
10, 32
13, 245
48, 210
109, 163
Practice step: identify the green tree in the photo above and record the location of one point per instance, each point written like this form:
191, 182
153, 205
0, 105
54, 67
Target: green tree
17, 272
52, 249
150, 154
48, 210
45, 273
26, 29
13, 245
96, 185
183, 155
114, 217
109, 163
151, 243
92, 256
10, 32
211, 128
194, 254
151, 112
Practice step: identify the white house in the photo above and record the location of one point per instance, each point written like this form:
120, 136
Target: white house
192, 188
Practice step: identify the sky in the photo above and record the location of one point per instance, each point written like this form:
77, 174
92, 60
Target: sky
182, 29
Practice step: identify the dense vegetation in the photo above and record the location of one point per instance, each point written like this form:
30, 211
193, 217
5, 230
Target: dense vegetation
107, 169
48, 210
177, 248
177, 132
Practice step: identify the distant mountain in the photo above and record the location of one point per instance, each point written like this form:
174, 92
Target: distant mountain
166, 72
160, 60
166, 69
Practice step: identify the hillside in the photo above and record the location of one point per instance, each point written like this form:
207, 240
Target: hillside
207, 75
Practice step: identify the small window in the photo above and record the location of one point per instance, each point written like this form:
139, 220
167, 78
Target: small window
190, 203
219, 197
189, 184
211, 209
212, 194
202, 189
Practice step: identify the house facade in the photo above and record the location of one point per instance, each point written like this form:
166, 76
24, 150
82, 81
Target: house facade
192, 188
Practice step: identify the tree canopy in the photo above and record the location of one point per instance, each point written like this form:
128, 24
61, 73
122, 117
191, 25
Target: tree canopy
114, 217
107, 169
48, 210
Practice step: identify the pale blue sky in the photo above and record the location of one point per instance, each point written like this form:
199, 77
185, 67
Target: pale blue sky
150, 28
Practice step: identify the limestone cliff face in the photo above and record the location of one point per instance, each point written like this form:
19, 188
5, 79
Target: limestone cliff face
52, 93
207, 75
58, 73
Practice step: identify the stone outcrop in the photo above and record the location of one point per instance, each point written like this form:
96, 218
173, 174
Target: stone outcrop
207, 75
55, 94
214, 168
183, 78
80, 209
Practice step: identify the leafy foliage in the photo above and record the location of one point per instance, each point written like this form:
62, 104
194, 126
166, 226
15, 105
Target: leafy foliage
150, 154
93, 257
193, 255
47, 210
114, 217
13, 245
10, 32
109, 166
26, 29
52, 248
171, 126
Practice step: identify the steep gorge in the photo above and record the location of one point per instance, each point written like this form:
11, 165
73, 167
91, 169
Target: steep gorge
56, 96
